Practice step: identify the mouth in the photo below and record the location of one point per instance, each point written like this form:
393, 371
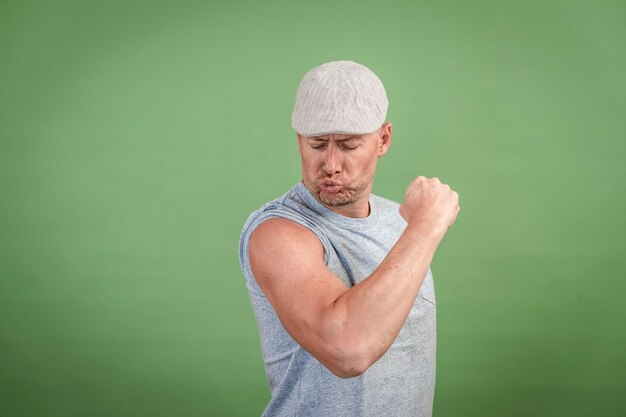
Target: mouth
330, 186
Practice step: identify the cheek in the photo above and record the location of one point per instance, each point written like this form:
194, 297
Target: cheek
310, 164
367, 163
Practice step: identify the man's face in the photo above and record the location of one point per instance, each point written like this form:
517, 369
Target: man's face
339, 169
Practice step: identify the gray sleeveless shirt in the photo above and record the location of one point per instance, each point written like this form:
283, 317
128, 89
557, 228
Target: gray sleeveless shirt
402, 382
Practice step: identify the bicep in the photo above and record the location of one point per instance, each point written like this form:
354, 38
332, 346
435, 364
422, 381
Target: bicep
288, 264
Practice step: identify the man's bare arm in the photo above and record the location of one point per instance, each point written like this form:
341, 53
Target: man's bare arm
348, 329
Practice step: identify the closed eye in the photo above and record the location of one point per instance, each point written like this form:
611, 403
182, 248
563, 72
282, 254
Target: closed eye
343, 145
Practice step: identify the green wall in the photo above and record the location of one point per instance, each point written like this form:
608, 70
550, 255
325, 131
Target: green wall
136, 137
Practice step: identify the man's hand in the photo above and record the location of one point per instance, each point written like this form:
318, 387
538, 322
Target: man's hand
430, 203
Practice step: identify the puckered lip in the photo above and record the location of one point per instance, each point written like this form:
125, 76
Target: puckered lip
330, 183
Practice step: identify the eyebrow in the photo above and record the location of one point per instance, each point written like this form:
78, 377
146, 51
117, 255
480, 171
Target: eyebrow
337, 140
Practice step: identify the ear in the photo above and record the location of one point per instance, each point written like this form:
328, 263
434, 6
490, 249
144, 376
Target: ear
299, 136
384, 139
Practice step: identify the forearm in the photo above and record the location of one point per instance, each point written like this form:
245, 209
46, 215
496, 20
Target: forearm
371, 313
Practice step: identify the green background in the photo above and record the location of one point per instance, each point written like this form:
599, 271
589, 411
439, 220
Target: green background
136, 137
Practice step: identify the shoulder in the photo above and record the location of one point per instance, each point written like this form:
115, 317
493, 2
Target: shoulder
288, 206
277, 208
282, 220
277, 242
281, 232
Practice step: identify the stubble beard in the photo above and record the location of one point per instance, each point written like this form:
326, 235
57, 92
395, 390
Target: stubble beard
346, 196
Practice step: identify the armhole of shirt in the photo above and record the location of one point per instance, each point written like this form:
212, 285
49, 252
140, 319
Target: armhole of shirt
252, 224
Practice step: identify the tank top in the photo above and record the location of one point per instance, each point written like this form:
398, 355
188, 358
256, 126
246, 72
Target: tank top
402, 381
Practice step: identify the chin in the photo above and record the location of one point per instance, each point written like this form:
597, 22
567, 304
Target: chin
342, 198
347, 195
335, 201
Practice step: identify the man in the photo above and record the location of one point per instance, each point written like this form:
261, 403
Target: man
339, 278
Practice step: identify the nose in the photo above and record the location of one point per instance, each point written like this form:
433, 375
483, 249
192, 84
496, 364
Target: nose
332, 160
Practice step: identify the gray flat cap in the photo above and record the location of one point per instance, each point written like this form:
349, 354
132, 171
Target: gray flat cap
339, 97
